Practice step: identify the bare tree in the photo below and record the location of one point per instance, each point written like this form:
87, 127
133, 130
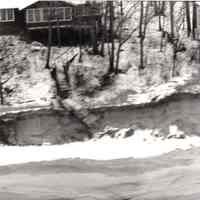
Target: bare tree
177, 42
58, 32
122, 34
194, 19
188, 18
145, 18
104, 28
159, 20
80, 45
119, 33
51, 68
171, 4
49, 45
159, 9
141, 35
111, 48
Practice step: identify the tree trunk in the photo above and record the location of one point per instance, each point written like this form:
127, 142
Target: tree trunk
141, 53
163, 8
172, 18
120, 40
161, 42
141, 18
58, 34
49, 45
1, 93
95, 45
112, 52
155, 8
161, 12
194, 20
104, 31
121, 8
160, 23
174, 61
188, 19
117, 59
141, 35
80, 45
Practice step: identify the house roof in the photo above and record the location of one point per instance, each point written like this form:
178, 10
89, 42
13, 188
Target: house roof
24, 3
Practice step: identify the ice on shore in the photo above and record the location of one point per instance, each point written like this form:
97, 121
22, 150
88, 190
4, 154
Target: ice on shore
136, 146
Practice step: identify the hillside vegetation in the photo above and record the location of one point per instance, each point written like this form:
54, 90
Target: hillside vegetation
28, 82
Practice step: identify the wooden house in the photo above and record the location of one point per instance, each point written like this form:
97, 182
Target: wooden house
38, 15
70, 21
11, 21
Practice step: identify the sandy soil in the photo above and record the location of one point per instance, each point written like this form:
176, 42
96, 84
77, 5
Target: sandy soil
172, 176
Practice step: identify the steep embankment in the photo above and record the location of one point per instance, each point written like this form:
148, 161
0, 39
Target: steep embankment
174, 116
181, 110
136, 100
40, 125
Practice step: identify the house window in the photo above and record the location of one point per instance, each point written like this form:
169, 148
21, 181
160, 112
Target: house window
68, 13
95, 10
7, 15
78, 11
60, 13
87, 10
37, 15
53, 13
10, 14
82, 10
46, 14
30, 15
3, 15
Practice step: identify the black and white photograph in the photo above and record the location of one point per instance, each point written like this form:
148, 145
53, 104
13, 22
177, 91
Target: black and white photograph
99, 100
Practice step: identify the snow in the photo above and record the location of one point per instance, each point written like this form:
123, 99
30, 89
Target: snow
151, 94
141, 145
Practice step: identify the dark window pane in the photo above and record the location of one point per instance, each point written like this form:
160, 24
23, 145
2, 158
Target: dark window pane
79, 10
46, 14
3, 15
10, 13
68, 13
37, 15
60, 13
30, 15
53, 14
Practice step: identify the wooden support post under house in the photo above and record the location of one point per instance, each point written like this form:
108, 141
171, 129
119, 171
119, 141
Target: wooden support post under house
58, 34
49, 45
80, 44
94, 39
